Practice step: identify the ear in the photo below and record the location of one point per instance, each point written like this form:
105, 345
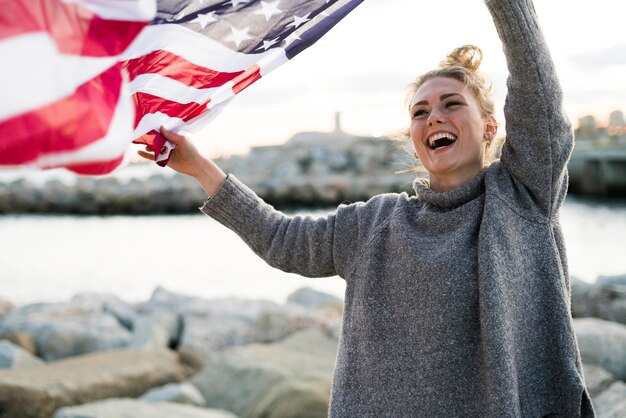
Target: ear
491, 128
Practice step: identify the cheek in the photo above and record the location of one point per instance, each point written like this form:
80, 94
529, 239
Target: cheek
415, 132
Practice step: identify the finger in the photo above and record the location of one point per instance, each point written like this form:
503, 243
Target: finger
149, 148
171, 136
146, 155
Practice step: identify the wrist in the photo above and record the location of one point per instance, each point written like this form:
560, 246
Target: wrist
210, 176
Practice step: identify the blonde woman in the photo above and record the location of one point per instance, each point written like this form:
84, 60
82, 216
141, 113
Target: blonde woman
457, 298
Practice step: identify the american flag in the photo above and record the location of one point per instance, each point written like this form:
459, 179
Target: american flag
81, 79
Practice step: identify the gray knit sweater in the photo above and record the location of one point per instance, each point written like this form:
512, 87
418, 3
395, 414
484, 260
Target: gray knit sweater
457, 304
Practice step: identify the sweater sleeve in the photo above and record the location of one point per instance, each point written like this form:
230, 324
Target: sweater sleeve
539, 137
306, 245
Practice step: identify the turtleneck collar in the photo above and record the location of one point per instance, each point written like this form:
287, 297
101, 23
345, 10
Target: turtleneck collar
452, 198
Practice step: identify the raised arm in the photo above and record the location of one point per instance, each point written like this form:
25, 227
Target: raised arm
312, 247
539, 137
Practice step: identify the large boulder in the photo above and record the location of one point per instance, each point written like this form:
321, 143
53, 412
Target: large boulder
602, 343
109, 303
175, 392
132, 408
310, 298
612, 402
597, 379
5, 307
39, 391
286, 379
619, 280
211, 325
67, 329
604, 299
13, 356
156, 330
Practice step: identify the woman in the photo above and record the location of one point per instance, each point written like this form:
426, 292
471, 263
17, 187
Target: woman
457, 298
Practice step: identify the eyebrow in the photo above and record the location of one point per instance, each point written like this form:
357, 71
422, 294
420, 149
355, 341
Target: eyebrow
442, 97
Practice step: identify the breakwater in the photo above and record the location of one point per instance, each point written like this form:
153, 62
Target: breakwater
319, 172
308, 170
598, 171
188, 357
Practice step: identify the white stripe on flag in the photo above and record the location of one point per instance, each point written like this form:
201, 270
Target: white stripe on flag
112, 145
38, 75
125, 10
198, 49
169, 89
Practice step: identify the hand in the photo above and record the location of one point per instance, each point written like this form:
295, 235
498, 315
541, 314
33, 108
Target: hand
186, 159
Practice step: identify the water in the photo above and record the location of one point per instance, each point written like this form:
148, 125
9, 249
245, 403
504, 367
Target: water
51, 258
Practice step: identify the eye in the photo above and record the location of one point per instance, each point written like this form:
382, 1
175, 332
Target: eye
452, 103
419, 112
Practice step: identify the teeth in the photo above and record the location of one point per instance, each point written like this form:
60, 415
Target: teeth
432, 139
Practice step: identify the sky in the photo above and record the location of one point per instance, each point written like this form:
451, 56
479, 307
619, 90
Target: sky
362, 67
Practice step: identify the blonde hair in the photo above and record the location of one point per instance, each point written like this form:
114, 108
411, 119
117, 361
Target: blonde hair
462, 64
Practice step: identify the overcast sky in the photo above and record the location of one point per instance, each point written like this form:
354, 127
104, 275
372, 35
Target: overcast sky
363, 65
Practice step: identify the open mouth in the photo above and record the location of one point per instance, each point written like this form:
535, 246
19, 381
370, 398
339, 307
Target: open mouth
441, 140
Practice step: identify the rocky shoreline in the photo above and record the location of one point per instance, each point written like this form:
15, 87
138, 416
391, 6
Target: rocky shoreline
185, 357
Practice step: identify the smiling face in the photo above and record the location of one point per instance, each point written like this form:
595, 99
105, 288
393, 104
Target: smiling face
448, 132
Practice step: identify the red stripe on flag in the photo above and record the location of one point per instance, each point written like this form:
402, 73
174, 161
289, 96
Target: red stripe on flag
147, 103
95, 168
67, 124
178, 68
75, 29
246, 78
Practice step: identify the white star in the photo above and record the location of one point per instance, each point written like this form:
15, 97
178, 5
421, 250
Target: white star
297, 20
234, 3
205, 19
269, 10
238, 35
267, 44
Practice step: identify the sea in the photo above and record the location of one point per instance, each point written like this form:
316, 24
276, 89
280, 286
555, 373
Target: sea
50, 258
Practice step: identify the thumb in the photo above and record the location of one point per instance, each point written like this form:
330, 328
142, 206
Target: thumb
171, 136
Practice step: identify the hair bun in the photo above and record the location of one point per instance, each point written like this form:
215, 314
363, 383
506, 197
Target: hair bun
467, 56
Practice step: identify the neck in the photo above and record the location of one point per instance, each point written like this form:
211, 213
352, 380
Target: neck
442, 183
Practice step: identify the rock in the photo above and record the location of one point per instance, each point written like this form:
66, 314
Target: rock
211, 325
602, 343
619, 280
5, 307
596, 379
612, 402
13, 356
156, 330
605, 299
175, 392
132, 408
37, 392
67, 329
21, 339
310, 298
286, 379
109, 303
581, 305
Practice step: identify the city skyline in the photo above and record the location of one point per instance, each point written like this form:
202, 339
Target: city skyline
362, 67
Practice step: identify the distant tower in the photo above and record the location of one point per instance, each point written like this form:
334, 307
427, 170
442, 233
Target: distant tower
338, 130
616, 123
587, 126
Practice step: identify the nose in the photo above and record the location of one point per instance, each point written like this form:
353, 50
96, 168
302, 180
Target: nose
434, 117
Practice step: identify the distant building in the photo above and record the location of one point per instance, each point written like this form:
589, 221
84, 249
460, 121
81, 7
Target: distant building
616, 124
587, 127
321, 138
